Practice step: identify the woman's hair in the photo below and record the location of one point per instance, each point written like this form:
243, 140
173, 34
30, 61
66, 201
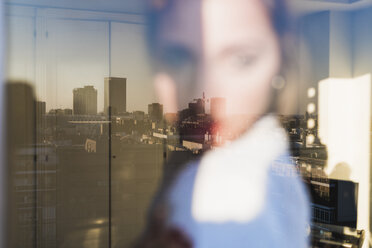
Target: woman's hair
283, 24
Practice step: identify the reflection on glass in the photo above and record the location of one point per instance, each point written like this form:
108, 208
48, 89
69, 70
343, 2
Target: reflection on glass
89, 146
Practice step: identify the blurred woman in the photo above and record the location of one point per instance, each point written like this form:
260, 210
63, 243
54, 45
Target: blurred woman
244, 192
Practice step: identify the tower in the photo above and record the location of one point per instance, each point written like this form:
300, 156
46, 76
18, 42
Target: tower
155, 111
85, 101
115, 95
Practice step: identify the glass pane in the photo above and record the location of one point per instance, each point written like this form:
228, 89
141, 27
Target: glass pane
60, 173
76, 65
77, 55
20, 140
96, 152
21, 45
136, 166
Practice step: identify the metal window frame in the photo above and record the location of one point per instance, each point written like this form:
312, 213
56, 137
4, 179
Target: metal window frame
3, 178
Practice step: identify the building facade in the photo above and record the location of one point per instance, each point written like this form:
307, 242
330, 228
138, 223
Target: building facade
85, 101
115, 95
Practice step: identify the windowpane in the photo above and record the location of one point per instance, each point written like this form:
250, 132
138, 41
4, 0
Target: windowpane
93, 148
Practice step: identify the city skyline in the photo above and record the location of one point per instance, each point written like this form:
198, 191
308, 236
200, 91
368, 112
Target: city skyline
89, 59
206, 108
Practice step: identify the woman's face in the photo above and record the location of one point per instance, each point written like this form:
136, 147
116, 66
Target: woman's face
223, 48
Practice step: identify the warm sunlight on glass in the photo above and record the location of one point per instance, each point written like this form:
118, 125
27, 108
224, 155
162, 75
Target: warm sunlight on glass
311, 108
344, 126
311, 123
311, 92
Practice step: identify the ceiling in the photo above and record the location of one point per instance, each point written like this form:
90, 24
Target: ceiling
123, 6
137, 6
309, 6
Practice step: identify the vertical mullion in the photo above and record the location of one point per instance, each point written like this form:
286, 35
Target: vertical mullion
109, 176
109, 146
109, 46
4, 180
35, 134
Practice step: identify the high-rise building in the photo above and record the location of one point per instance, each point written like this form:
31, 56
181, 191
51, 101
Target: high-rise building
40, 108
23, 144
115, 95
155, 111
139, 115
197, 107
40, 112
85, 101
218, 107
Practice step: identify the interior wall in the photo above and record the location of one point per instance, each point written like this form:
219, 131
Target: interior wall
314, 52
362, 40
340, 52
362, 57
339, 45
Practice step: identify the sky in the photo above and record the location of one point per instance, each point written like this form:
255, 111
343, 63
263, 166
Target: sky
71, 53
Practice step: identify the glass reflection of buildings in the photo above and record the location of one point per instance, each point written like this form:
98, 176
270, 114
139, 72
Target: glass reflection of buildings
58, 169
333, 202
85, 101
60, 178
115, 95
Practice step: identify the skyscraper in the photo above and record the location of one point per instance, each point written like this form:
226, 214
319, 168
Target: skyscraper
115, 95
218, 107
40, 111
40, 108
155, 111
85, 101
197, 107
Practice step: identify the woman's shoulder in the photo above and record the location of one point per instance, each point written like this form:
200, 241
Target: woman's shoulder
183, 182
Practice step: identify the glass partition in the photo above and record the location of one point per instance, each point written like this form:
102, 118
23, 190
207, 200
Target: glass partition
89, 145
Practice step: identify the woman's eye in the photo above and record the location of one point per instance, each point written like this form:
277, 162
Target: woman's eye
244, 60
